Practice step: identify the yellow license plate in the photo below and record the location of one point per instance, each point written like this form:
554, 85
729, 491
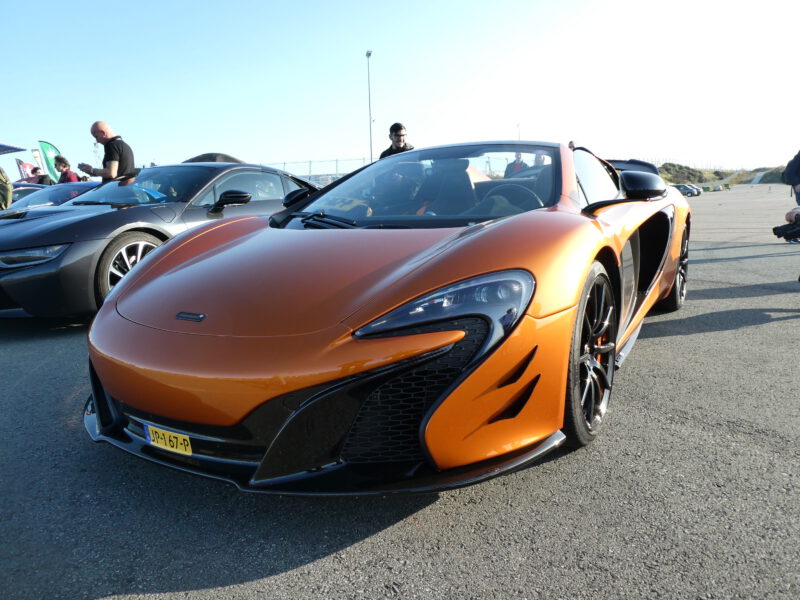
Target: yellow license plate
168, 440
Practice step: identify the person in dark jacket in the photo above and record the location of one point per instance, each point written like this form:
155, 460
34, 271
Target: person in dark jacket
40, 178
792, 176
517, 165
397, 133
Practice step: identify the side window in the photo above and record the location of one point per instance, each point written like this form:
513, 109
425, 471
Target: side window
206, 199
262, 186
596, 182
290, 185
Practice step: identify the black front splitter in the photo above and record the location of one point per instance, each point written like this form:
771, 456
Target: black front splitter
340, 479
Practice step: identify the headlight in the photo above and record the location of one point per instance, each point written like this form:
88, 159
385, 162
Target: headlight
501, 298
30, 256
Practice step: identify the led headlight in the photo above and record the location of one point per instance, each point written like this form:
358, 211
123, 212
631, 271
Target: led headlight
30, 256
501, 298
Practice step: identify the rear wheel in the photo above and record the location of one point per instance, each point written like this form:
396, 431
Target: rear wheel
592, 359
121, 255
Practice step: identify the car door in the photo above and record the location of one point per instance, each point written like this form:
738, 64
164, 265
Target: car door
596, 185
266, 190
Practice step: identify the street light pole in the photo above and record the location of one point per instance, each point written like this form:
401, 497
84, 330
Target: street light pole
369, 105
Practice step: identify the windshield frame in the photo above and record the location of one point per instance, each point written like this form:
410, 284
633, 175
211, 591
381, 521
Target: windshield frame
360, 201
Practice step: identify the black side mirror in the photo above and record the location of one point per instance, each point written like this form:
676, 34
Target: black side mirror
295, 196
230, 198
639, 185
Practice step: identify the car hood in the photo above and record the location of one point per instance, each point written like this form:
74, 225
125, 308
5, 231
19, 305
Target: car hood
256, 281
51, 224
238, 277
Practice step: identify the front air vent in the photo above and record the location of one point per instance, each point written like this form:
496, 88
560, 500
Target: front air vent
388, 423
517, 403
515, 375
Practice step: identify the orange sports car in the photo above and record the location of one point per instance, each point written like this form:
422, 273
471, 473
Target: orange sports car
432, 320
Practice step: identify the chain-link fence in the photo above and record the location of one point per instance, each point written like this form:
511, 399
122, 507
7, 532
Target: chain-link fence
321, 172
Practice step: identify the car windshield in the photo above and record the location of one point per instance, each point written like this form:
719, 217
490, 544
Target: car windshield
155, 185
439, 187
53, 195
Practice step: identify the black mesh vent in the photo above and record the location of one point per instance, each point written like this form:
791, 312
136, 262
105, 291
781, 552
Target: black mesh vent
387, 426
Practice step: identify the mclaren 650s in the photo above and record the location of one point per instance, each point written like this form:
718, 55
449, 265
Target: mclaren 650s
434, 319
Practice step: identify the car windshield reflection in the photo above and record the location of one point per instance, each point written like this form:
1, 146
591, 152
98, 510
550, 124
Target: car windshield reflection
53, 195
439, 187
156, 185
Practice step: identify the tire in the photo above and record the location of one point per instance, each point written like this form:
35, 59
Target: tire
592, 359
119, 257
677, 295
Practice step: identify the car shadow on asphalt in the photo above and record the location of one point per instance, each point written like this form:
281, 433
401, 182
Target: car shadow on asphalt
91, 521
30, 328
721, 259
746, 291
112, 524
724, 320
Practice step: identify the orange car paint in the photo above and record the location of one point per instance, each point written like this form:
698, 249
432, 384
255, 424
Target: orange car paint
310, 340
463, 429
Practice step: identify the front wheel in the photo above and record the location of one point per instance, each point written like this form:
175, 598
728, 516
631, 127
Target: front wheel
121, 255
592, 359
677, 295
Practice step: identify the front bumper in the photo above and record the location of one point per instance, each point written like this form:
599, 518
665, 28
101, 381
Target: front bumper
337, 479
359, 435
59, 287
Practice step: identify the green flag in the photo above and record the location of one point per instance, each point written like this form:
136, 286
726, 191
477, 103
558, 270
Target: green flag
49, 153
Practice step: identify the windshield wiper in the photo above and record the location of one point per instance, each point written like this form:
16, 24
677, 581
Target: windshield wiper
103, 203
320, 220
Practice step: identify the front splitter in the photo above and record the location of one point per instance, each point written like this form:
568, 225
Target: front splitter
340, 479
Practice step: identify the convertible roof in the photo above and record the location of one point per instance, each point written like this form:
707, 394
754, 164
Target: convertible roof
213, 157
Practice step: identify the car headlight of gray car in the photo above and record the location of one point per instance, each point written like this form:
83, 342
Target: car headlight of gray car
26, 257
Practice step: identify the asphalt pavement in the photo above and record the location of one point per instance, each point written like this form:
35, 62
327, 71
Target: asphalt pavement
692, 491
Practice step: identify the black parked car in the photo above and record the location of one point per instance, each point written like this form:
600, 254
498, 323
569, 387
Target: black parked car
685, 189
64, 260
53, 195
20, 189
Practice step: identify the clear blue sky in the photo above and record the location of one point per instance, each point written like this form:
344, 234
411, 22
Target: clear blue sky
704, 83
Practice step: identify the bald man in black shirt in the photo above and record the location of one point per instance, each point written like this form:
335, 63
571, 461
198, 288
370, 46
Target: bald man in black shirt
118, 156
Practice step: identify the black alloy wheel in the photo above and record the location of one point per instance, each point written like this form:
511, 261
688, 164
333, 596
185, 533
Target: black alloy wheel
592, 359
121, 255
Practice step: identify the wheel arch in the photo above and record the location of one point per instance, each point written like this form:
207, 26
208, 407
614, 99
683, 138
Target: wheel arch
154, 231
139, 228
608, 258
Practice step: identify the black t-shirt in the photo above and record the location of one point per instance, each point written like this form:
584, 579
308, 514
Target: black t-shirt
117, 150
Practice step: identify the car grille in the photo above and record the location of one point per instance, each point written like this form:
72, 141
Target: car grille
387, 427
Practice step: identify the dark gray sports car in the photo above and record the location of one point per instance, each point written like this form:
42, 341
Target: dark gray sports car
63, 260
